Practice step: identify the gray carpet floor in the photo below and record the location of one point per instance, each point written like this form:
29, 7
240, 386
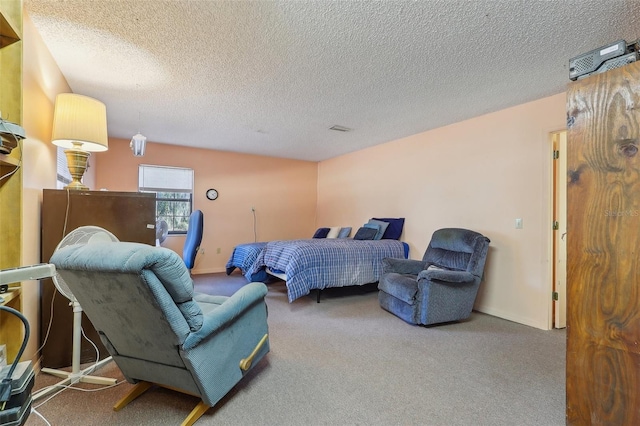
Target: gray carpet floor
345, 361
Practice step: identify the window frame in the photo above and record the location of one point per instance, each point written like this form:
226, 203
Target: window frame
183, 184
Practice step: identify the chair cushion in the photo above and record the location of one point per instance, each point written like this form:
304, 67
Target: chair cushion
403, 287
163, 271
454, 239
447, 259
451, 248
169, 270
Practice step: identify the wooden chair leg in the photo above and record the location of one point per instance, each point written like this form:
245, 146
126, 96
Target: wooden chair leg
195, 414
142, 387
136, 391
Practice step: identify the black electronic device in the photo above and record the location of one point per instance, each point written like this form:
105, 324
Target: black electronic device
618, 62
603, 59
17, 408
591, 61
16, 383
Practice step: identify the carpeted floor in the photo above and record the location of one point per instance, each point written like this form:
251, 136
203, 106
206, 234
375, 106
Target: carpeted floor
345, 361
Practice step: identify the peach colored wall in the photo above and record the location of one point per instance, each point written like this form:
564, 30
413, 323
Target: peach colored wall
42, 81
282, 191
481, 174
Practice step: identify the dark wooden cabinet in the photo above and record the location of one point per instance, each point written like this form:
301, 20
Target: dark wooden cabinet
603, 258
130, 216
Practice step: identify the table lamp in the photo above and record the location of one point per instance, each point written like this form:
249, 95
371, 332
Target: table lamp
80, 126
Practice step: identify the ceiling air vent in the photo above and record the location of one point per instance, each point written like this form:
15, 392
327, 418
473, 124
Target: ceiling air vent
339, 128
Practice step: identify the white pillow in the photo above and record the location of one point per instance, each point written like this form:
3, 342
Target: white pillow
333, 232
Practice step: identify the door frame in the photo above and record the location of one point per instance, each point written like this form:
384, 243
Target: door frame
558, 279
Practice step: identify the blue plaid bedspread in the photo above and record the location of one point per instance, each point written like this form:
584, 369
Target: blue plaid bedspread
243, 258
323, 263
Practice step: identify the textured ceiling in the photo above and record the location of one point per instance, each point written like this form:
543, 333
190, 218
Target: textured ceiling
271, 77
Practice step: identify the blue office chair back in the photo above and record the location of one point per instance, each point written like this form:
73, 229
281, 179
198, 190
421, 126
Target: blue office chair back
194, 238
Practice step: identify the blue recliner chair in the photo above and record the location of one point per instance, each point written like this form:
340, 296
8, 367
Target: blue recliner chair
441, 287
194, 238
157, 329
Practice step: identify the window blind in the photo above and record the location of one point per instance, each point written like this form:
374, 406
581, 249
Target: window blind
62, 169
165, 179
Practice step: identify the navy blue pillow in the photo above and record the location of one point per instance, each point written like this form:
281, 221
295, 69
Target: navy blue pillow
365, 233
394, 230
321, 233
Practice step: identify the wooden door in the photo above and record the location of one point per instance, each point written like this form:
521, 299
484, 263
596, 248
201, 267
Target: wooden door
603, 267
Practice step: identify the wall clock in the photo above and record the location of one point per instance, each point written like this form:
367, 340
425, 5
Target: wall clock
212, 194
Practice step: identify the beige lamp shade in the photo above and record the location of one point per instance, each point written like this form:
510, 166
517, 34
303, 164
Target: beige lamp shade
81, 120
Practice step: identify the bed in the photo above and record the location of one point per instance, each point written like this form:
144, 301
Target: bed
243, 258
316, 264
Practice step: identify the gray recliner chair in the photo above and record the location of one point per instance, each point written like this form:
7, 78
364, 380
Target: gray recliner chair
441, 287
157, 329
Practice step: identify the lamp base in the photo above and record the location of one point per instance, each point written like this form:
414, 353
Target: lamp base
79, 186
77, 163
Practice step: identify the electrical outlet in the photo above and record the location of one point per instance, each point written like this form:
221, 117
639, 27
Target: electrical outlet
201, 250
253, 209
218, 250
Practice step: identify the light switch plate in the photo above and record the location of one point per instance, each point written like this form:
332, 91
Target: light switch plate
519, 223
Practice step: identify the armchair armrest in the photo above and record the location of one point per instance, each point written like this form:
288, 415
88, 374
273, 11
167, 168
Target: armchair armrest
227, 312
447, 276
402, 266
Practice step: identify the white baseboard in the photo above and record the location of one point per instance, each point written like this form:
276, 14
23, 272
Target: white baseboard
510, 316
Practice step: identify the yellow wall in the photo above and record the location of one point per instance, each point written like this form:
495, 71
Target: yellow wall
42, 81
479, 174
282, 191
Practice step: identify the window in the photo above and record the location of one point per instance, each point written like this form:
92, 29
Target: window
173, 187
